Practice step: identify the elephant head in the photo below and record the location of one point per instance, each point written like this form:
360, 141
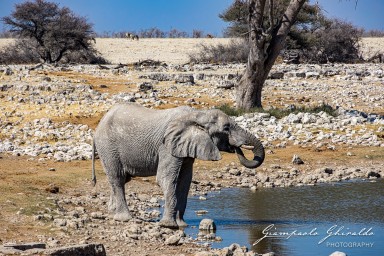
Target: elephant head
203, 134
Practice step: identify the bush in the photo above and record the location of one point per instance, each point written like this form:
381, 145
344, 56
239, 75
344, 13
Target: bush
175, 33
23, 51
235, 52
373, 33
337, 41
197, 33
152, 33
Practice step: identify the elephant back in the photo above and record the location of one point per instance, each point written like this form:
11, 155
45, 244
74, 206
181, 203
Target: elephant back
133, 134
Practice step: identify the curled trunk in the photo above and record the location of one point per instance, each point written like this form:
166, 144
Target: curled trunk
249, 141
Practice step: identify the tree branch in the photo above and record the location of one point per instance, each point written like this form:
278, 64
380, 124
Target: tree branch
285, 25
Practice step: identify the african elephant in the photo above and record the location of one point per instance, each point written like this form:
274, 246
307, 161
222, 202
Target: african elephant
135, 141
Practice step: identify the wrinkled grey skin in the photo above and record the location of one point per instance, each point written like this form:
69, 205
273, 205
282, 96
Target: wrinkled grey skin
135, 141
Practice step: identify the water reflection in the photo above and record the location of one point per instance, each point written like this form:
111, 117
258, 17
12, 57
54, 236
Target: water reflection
242, 215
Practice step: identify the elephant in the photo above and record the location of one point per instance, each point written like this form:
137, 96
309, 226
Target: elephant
132, 141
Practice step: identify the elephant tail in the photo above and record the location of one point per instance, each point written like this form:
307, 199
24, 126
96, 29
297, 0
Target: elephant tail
93, 162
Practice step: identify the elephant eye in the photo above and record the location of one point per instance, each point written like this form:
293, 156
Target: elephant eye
226, 128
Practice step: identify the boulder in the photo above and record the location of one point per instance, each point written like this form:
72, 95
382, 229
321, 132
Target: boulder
84, 249
225, 84
145, 86
276, 75
207, 224
184, 78
26, 246
297, 160
175, 239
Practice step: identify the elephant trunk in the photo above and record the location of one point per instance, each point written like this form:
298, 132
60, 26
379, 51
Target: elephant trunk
250, 142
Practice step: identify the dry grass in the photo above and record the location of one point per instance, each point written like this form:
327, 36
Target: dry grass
169, 50
176, 50
371, 46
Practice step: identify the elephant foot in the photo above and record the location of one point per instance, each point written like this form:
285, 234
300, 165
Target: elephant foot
168, 223
123, 216
181, 223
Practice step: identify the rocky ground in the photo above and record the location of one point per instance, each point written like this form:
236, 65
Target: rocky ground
48, 115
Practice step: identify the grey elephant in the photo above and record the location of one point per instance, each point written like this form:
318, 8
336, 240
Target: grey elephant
135, 141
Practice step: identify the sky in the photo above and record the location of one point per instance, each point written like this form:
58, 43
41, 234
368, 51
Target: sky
186, 15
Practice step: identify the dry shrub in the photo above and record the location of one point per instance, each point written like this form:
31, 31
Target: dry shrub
236, 51
20, 52
24, 51
336, 42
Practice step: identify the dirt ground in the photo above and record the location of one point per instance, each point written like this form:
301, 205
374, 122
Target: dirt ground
24, 184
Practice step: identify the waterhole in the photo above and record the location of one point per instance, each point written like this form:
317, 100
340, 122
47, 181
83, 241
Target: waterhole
311, 220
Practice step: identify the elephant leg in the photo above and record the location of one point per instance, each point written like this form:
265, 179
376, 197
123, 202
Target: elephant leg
121, 211
116, 176
167, 177
182, 190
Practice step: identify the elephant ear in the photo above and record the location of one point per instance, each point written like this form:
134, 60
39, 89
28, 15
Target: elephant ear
188, 139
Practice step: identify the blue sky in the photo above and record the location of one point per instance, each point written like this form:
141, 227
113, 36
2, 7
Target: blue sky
186, 15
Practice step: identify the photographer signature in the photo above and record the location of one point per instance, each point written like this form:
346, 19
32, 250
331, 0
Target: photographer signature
334, 231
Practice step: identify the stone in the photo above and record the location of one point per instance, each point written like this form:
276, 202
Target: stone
297, 160
337, 253
145, 86
174, 239
83, 249
8, 72
235, 172
225, 84
27, 246
206, 235
201, 212
328, 170
52, 188
153, 200
60, 222
237, 250
184, 78
9, 251
97, 215
276, 75
373, 174
315, 75
207, 224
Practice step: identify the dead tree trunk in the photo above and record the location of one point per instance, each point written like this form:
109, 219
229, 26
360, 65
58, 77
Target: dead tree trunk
266, 40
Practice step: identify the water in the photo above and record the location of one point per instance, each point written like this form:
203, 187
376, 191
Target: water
353, 212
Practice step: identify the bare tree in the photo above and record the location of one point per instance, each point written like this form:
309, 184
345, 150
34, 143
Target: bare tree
56, 31
175, 33
196, 33
267, 34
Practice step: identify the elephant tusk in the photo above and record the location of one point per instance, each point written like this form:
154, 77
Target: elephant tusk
248, 147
